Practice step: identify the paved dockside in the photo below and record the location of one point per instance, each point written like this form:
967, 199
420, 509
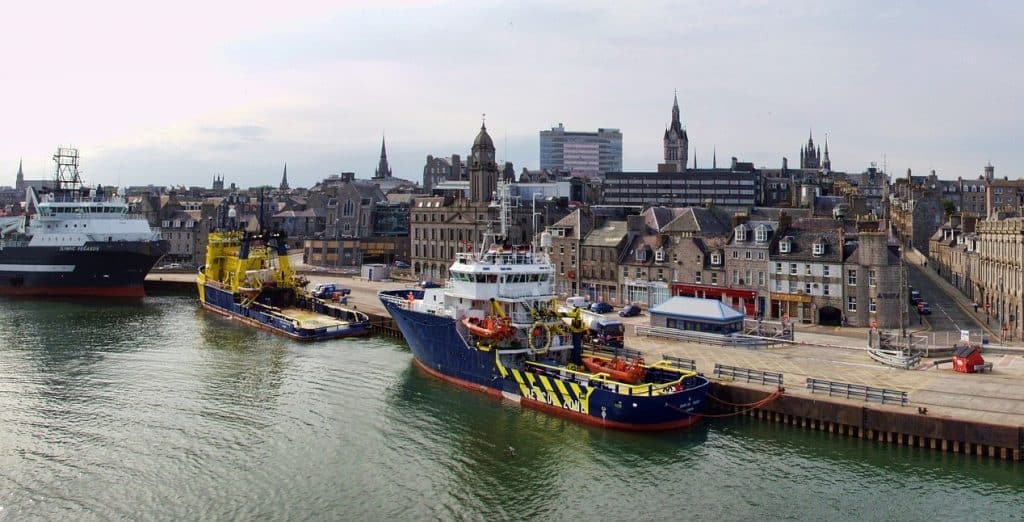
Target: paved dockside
996, 398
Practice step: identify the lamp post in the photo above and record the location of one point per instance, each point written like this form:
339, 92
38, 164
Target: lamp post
533, 201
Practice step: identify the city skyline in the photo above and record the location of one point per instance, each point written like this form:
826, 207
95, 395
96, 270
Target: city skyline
924, 86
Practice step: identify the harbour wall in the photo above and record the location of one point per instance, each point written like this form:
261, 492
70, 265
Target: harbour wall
859, 420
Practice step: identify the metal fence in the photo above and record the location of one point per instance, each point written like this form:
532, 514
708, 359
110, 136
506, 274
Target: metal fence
748, 375
679, 362
858, 391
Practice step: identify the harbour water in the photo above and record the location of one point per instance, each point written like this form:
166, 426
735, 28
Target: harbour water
154, 409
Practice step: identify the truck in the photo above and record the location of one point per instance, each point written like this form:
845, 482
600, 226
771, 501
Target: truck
331, 291
600, 329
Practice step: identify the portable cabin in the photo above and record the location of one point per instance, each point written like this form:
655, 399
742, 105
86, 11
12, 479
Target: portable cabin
966, 358
697, 315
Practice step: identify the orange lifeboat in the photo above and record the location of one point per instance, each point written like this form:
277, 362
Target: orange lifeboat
489, 327
630, 372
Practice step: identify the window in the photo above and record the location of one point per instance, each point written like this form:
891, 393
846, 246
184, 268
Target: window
714, 278
807, 269
639, 273
735, 277
824, 270
762, 234
819, 248
792, 269
696, 276
350, 208
851, 277
760, 256
785, 247
716, 259
825, 290
871, 305
641, 254
760, 278
778, 268
778, 285
807, 288
735, 254
741, 233
659, 255
851, 304
747, 254
625, 272
871, 278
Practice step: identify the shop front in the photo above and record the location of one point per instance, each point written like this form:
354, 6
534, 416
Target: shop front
794, 307
739, 299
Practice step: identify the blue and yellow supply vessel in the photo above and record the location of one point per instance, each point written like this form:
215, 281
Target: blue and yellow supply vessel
247, 277
495, 328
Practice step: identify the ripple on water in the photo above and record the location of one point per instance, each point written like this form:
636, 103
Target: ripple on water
158, 410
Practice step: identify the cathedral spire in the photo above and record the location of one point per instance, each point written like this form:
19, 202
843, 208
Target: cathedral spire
20, 179
284, 178
383, 169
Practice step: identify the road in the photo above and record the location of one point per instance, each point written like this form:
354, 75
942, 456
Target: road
947, 316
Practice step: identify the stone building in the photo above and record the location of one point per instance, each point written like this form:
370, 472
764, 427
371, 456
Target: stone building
599, 262
807, 277
697, 249
567, 237
439, 170
1000, 275
645, 263
746, 256
916, 209
874, 292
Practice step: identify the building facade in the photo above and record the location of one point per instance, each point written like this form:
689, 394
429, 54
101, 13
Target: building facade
581, 153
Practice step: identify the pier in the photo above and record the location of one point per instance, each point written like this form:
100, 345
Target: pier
976, 414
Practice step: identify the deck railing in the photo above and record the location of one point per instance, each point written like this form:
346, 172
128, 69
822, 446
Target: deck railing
749, 375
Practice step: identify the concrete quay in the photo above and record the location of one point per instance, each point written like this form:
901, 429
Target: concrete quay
967, 413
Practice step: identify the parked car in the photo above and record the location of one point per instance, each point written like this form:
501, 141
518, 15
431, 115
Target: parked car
429, 284
923, 308
915, 297
600, 307
576, 301
401, 264
629, 311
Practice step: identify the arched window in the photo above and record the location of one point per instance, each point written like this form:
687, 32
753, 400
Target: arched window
349, 209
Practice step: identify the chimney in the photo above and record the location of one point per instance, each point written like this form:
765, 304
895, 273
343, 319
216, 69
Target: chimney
738, 218
784, 221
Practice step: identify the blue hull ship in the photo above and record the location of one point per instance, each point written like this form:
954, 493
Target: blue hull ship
247, 278
496, 328
668, 398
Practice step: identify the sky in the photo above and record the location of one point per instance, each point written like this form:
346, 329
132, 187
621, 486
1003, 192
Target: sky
176, 92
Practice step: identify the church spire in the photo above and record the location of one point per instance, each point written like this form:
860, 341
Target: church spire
284, 178
20, 180
826, 163
383, 169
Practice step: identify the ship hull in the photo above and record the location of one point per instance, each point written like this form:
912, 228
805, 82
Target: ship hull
441, 351
224, 303
101, 269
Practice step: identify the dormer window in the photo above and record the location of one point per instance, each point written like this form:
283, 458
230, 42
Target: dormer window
641, 254
716, 259
819, 248
761, 234
785, 246
741, 233
659, 255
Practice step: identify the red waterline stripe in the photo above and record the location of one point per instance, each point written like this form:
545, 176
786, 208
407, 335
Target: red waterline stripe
75, 291
547, 408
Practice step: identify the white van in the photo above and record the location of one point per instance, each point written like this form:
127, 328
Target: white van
576, 301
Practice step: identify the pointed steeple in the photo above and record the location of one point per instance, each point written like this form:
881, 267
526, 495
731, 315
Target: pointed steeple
383, 169
284, 178
19, 182
826, 163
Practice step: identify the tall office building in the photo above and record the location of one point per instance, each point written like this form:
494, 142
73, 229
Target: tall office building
586, 153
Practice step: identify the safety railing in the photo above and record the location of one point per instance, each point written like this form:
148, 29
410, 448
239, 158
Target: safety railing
858, 391
748, 375
679, 362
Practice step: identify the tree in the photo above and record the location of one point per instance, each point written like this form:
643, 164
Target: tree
948, 206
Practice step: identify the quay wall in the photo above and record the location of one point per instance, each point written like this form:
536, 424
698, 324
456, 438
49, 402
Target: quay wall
881, 424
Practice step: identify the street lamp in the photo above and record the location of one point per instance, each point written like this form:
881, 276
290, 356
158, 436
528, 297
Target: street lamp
533, 201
